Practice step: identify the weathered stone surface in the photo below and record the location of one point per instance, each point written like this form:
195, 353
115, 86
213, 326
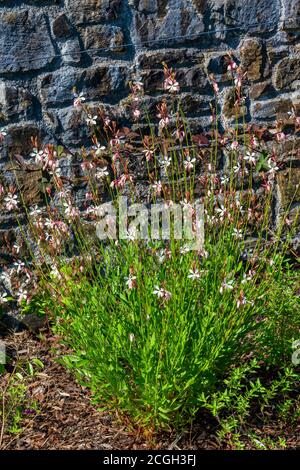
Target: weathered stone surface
269, 110
258, 89
289, 186
291, 14
107, 80
287, 73
25, 43
251, 58
19, 138
231, 109
289, 151
56, 87
103, 36
71, 52
173, 57
194, 78
256, 16
171, 20
61, 27
96, 82
72, 126
15, 102
217, 65
91, 11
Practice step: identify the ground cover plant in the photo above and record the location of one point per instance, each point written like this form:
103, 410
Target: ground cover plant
161, 332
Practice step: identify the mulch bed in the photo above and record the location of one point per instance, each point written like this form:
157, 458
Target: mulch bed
68, 420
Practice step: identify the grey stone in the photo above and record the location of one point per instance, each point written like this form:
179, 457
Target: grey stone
91, 11
61, 27
101, 37
15, 102
287, 73
270, 110
291, 14
71, 52
96, 82
252, 16
25, 43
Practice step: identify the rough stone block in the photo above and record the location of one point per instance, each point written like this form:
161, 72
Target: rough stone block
251, 58
25, 43
97, 82
270, 110
289, 186
71, 52
18, 140
103, 36
15, 102
89, 11
61, 27
287, 73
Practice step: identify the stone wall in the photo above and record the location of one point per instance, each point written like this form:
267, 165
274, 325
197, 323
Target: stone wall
47, 47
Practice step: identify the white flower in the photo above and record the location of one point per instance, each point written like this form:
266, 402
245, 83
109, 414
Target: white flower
19, 266
101, 173
162, 293
11, 201
22, 295
17, 248
148, 154
34, 211
70, 211
226, 285
189, 163
241, 301
136, 113
79, 99
5, 276
166, 161
38, 155
194, 274
273, 168
49, 224
250, 158
237, 233
247, 277
131, 281
131, 337
99, 149
3, 298
171, 85
91, 120
237, 168
222, 211
55, 272
157, 186
224, 180
163, 122
2, 135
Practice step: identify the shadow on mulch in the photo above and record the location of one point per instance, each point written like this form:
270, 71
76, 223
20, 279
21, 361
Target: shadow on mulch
68, 420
